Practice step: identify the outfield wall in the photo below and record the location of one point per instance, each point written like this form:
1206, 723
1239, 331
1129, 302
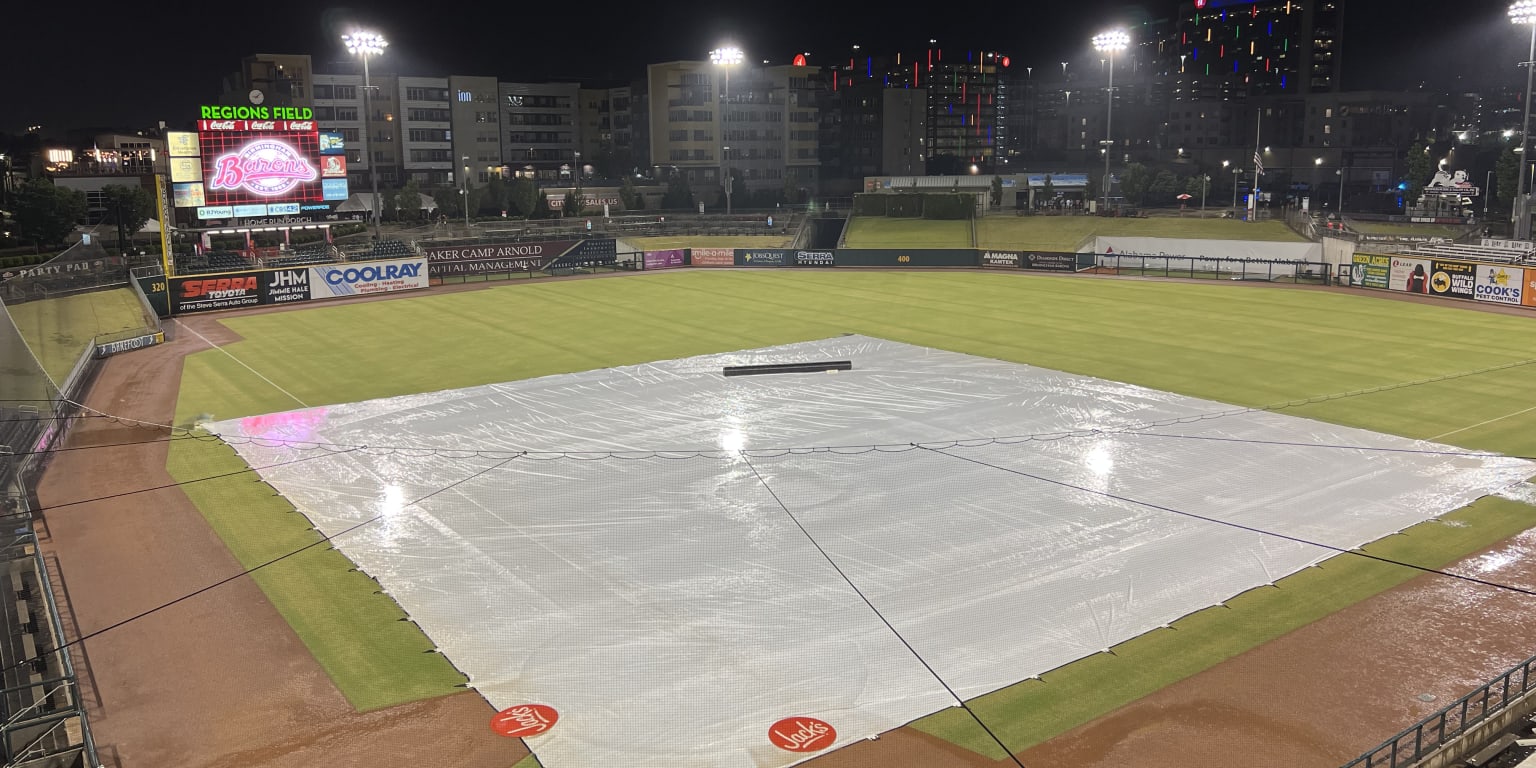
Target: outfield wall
266, 287
1507, 284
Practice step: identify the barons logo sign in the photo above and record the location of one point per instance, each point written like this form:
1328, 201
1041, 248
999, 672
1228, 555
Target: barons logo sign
265, 167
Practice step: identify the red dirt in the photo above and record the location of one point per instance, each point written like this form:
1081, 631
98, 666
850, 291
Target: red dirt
222, 680
218, 680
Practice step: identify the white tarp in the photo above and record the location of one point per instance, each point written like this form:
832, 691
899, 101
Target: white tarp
1204, 249
671, 611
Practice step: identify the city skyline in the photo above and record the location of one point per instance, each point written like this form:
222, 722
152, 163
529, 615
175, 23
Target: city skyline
1394, 46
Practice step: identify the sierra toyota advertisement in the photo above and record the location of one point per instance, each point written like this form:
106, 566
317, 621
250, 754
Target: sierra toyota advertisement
486, 259
333, 281
245, 289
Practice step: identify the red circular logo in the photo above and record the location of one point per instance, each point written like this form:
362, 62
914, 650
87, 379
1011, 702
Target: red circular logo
802, 734
524, 720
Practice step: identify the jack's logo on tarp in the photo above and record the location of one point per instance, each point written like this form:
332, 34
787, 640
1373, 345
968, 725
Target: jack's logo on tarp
802, 734
525, 720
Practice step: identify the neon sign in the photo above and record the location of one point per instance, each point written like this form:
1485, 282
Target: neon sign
265, 167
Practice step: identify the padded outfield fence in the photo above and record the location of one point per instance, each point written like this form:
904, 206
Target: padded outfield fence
58, 320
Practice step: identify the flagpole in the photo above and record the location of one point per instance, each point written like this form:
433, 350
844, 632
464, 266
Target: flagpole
1258, 145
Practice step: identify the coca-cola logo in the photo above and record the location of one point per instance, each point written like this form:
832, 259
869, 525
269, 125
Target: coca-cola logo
261, 125
802, 734
524, 720
265, 167
221, 125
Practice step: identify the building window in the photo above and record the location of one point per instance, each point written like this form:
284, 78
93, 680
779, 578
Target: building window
346, 113
323, 91
346, 92
426, 94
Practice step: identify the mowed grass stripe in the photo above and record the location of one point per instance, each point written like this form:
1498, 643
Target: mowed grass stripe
1236, 344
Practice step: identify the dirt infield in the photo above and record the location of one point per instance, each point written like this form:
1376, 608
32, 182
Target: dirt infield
220, 679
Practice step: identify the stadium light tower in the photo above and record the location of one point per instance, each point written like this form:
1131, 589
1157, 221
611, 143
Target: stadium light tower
1524, 12
725, 58
367, 44
1112, 42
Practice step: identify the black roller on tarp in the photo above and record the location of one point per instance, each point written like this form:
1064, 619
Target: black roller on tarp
822, 367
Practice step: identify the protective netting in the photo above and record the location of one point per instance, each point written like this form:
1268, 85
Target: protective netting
672, 606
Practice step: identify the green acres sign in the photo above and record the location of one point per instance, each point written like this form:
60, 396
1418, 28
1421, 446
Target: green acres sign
218, 112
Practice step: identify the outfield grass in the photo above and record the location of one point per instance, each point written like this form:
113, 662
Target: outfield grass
881, 232
709, 241
58, 330
1238, 344
1065, 233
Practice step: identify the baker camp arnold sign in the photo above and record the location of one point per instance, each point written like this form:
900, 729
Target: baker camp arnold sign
487, 259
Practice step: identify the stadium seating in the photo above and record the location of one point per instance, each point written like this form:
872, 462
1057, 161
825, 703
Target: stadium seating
304, 255
211, 261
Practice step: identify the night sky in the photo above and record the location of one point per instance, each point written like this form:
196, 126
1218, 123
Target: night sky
131, 67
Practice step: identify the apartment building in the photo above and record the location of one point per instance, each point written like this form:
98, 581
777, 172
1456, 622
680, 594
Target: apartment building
540, 129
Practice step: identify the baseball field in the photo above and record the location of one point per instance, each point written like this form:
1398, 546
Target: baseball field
1411, 369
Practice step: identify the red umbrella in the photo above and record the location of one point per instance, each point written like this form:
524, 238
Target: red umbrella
1185, 197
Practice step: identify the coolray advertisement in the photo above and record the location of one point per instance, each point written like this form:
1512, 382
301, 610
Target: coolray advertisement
663, 259
248, 162
1049, 261
1000, 259
1499, 284
712, 257
1411, 275
334, 281
489, 259
815, 258
1456, 279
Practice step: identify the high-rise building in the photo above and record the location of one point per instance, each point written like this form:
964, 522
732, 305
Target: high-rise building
475, 126
541, 124
1239, 48
761, 126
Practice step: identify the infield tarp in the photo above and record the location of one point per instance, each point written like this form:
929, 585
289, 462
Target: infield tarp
671, 611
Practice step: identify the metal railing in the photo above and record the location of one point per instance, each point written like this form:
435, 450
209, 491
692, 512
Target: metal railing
1454, 720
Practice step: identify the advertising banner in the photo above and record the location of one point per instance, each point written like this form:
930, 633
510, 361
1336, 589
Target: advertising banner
1370, 270
188, 195
763, 257
333, 167
1528, 296
490, 259
363, 278
1001, 259
248, 162
1411, 275
815, 258
281, 286
663, 259
204, 294
1455, 279
1049, 261
185, 169
127, 345
332, 143
1208, 249
181, 144
892, 257
1499, 284
712, 257
595, 251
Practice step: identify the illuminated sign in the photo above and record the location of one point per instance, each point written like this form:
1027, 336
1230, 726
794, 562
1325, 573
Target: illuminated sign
215, 212
333, 166
332, 143
799, 60
249, 211
265, 167
246, 112
256, 125
334, 189
186, 169
181, 144
188, 195
282, 209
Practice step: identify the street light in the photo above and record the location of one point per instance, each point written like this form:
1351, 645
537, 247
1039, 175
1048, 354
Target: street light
1524, 12
464, 190
1111, 42
1235, 173
367, 44
1205, 182
725, 58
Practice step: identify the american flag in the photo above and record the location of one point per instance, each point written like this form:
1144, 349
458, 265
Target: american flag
1258, 162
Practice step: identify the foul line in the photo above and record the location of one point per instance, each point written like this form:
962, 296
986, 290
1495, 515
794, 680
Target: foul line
1483, 423
242, 364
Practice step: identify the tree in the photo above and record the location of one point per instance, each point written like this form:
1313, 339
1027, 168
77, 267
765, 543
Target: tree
523, 196
409, 201
1162, 188
493, 200
997, 191
1048, 190
679, 194
1134, 181
46, 214
1506, 177
1420, 166
133, 204
541, 209
627, 193
572, 206
389, 205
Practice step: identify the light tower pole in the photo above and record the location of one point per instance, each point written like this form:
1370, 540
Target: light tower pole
1524, 12
367, 44
1111, 42
725, 58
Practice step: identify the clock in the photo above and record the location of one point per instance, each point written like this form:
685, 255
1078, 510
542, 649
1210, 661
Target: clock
257, 97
